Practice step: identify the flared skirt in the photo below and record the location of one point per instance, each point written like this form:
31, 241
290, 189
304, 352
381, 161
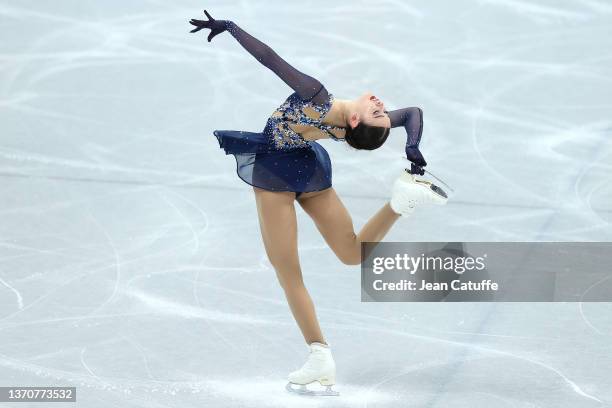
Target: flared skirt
258, 163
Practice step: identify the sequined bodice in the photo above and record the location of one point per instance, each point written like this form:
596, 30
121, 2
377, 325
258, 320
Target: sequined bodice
296, 111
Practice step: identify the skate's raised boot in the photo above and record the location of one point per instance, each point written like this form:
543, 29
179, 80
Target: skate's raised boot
320, 367
410, 192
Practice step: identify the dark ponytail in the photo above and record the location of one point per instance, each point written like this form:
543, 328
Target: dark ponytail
366, 137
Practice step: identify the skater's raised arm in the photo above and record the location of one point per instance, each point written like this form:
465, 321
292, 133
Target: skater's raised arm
412, 120
305, 86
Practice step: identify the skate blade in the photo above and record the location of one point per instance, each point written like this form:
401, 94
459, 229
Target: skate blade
441, 196
304, 390
438, 191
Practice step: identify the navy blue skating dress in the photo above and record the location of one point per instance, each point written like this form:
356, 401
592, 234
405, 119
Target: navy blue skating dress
279, 158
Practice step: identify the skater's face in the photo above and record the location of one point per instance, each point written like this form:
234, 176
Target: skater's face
371, 111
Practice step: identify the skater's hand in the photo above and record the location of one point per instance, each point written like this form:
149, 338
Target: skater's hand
414, 155
215, 26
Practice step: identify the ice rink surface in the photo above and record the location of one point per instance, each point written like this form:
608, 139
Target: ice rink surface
131, 264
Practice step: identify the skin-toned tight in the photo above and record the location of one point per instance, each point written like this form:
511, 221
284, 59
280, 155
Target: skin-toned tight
278, 225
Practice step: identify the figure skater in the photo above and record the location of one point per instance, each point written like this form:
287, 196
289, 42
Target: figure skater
284, 164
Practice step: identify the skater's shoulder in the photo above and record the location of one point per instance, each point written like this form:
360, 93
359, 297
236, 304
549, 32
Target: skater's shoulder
303, 111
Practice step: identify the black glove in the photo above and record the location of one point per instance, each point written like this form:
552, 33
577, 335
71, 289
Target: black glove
414, 155
418, 161
215, 26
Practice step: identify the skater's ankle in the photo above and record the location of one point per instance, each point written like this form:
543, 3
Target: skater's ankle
393, 210
319, 343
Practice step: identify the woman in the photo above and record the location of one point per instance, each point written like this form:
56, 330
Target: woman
284, 164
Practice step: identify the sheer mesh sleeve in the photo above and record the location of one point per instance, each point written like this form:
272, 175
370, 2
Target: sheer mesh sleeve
307, 87
412, 120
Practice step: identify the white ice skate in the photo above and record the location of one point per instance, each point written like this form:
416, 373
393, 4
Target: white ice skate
320, 367
409, 192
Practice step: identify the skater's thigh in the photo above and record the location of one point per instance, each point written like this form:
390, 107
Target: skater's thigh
278, 225
333, 221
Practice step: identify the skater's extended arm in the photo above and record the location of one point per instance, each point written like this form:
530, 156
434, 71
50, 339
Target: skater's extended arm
412, 120
305, 86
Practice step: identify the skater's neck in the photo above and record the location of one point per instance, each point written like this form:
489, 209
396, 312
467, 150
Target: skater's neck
340, 112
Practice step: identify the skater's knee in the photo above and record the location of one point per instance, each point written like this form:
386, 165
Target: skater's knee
352, 260
350, 257
283, 260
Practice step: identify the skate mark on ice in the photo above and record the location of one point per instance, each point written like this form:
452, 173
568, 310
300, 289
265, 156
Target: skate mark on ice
167, 307
260, 391
91, 380
86, 367
18, 296
581, 305
483, 349
411, 370
54, 290
142, 353
190, 225
538, 11
16, 155
72, 319
117, 265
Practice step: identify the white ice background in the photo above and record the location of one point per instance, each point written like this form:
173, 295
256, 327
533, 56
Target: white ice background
131, 264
